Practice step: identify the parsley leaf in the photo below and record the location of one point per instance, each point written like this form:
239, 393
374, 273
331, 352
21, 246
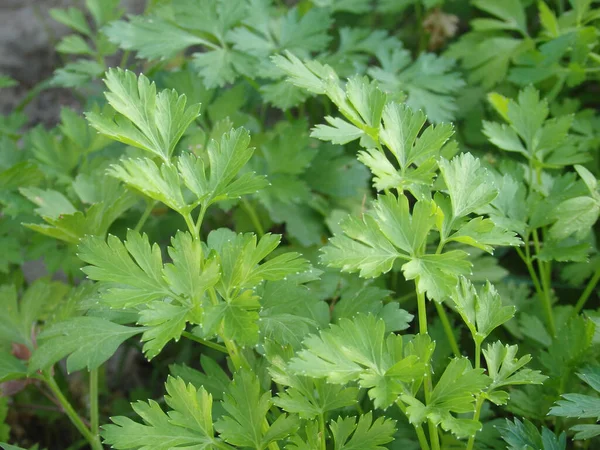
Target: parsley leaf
147, 120
188, 422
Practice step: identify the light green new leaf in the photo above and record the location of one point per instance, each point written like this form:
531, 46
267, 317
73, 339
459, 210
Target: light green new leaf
187, 424
237, 319
241, 255
157, 182
147, 120
89, 342
511, 15
364, 435
246, 412
359, 350
506, 370
470, 186
482, 312
190, 274
226, 158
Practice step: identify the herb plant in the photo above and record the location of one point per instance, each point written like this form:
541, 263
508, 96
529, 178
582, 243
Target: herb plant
270, 235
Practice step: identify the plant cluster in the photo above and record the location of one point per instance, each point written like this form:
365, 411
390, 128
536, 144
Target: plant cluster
265, 232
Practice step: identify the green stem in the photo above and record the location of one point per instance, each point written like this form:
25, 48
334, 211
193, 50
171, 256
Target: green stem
322, 431
476, 414
190, 224
145, 215
94, 412
260, 231
94, 441
587, 292
536, 283
422, 311
477, 353
447, 328
544, 271
200, 219
210, 344
418, 428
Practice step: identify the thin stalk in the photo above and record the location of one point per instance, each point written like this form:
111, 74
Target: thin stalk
145, 215
94, 441
260, 231
418, 428
477, 353
476, 414
422, 311
213, 345
447, 328
191, 226
538, 287
585, 295
322, 431
94, 412
547, 301
200, 219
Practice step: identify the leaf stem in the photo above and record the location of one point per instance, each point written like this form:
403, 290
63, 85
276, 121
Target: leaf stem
145, 215
536, 282
210, 344
422, 311
547, 301
94, 412
190, 224
200, 219
322, 431
418, 428
447, 329
585, 295
476, 414
260, 231
94, 441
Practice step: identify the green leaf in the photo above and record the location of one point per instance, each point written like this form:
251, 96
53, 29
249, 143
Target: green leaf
187, 424
73, 18
364, 435
147, 120
506, 370
50, 203
214, 379
437, 274
11, 368
140, 32
307, 396
482, 311
429, 82
246, 412
470, 186
132, 271
89, 342
289, 312
363, 248
226, 158
190, 274
484, 234
359, 350
575, 216
581, 405
163, 322
525, 436
511, 15
454, 392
